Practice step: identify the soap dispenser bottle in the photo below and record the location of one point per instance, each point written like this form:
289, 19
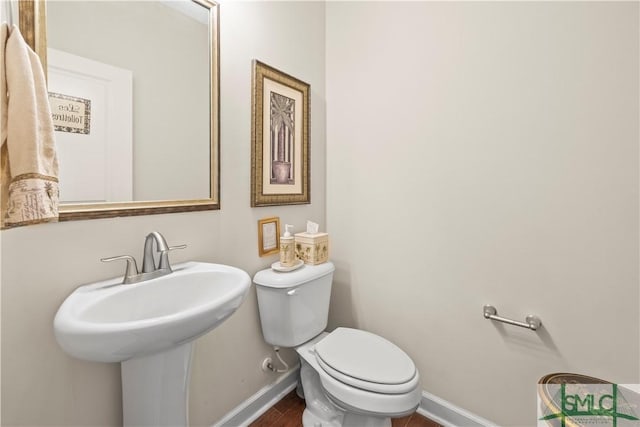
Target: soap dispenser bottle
287, 252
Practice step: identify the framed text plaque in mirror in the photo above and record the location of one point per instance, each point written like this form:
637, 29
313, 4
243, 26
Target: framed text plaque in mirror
136, 109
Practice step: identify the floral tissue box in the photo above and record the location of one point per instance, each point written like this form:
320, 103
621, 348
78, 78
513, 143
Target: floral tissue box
312, 248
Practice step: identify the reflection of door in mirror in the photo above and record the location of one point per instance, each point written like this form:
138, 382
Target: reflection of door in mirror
165, 47
93, 132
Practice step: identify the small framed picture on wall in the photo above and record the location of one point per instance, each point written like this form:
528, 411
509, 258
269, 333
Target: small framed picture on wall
269, 236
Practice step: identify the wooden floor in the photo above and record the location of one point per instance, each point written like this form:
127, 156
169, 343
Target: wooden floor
288, 413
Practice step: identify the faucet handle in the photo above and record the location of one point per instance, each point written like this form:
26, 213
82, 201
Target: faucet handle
164, 256
132, 267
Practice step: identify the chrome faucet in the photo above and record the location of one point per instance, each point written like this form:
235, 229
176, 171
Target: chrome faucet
148, 261
149, 268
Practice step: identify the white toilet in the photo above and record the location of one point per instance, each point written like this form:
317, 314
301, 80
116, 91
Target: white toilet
349, 377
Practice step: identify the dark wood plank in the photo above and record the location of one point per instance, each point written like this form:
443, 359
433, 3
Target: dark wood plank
267, 419
400, 422
291, 418
289, 401
418, 420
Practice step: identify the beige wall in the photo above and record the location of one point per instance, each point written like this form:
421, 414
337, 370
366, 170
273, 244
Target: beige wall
487, 153
42, 264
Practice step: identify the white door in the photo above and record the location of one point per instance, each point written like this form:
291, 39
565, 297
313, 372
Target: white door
91, 104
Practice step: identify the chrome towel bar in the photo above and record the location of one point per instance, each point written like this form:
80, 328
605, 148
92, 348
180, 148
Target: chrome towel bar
530, 322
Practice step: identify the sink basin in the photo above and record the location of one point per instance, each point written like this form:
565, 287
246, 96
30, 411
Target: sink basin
111, 322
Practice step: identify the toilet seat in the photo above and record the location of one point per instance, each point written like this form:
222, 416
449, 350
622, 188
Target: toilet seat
353, 398
366, 361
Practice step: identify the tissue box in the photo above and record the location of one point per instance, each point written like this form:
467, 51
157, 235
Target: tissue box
312, 248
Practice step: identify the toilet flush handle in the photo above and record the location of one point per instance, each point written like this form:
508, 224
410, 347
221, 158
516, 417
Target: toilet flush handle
291, 292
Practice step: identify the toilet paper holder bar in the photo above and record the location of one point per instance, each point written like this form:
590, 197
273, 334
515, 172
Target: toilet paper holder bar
530, 322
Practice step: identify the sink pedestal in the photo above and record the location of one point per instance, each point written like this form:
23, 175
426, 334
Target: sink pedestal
155, 388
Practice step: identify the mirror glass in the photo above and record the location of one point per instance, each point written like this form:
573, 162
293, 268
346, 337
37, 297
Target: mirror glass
133, 87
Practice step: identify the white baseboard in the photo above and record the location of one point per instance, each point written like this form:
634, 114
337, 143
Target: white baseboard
249, 410
448, 414
431, 406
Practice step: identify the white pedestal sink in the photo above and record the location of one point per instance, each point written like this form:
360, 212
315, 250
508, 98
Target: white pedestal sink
150, 327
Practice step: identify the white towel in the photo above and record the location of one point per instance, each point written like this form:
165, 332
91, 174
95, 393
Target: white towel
28, 157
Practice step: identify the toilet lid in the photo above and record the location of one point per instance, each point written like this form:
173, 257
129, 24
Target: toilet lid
366, 357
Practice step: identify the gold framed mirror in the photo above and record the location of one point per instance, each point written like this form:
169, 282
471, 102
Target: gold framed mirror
33, 23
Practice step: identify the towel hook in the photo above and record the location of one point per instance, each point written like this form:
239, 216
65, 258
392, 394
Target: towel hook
9, 11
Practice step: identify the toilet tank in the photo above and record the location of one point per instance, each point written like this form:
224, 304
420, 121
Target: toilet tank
294, 306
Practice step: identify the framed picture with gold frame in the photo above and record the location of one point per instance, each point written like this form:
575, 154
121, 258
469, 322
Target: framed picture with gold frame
268, 236
280, 138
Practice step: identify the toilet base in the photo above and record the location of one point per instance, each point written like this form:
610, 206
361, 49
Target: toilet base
356, 420
309, 419
349, 420
319, 411
322, 412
